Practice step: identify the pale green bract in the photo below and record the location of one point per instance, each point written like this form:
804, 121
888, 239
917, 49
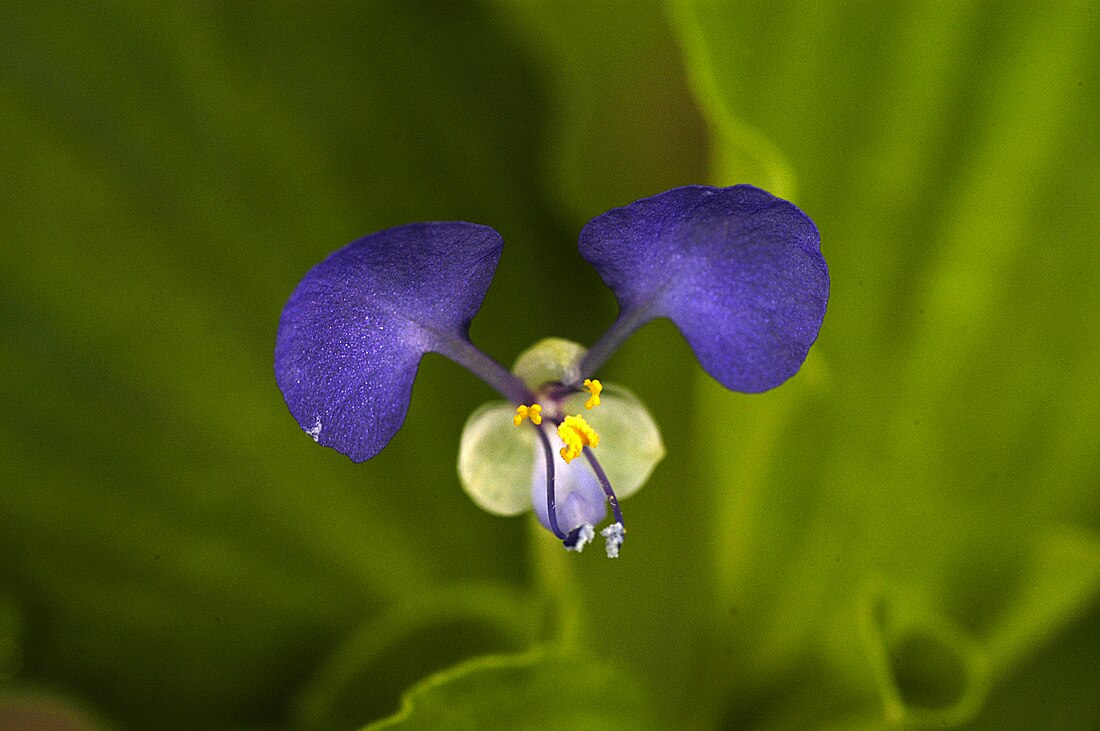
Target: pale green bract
499, 464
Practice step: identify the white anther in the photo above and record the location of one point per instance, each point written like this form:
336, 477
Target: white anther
614, 534
585, 535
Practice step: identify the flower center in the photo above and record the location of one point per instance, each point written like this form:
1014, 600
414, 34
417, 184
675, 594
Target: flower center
575, 432
550, 370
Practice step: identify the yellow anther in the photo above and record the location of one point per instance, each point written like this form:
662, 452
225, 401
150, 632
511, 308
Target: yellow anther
532, 412
577, 434
594, 387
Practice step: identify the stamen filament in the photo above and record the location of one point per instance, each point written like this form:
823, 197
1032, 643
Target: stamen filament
601, 476
551, 495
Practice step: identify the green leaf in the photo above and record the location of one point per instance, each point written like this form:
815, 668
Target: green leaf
175, 551
624, 123
929, 672
1058, 582
540, 690
367, 674
177, 548
929, 438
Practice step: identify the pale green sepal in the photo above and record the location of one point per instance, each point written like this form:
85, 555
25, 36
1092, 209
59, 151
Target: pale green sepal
630, 442
548, 361
496, 459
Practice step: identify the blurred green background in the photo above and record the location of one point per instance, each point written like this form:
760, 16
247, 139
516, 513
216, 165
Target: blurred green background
907, 534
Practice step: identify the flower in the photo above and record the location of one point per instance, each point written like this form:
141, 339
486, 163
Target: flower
504, 469
737, 270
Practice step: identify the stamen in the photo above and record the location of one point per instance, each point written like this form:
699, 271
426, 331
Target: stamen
593, 386
578, 538
606, 485
551, 498
614, 534
577, 435
533, 412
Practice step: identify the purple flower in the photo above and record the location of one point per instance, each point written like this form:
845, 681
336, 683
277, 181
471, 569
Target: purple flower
737, 270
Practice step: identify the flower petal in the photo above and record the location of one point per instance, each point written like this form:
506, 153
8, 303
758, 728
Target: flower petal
353, 332
496, 460
580, 499
738, 270
630, 441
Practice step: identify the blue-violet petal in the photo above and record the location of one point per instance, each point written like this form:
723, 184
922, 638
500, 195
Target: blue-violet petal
738, 270
353, 332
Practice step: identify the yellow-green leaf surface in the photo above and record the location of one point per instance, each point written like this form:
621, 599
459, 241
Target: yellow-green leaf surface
935, 438
179, 553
